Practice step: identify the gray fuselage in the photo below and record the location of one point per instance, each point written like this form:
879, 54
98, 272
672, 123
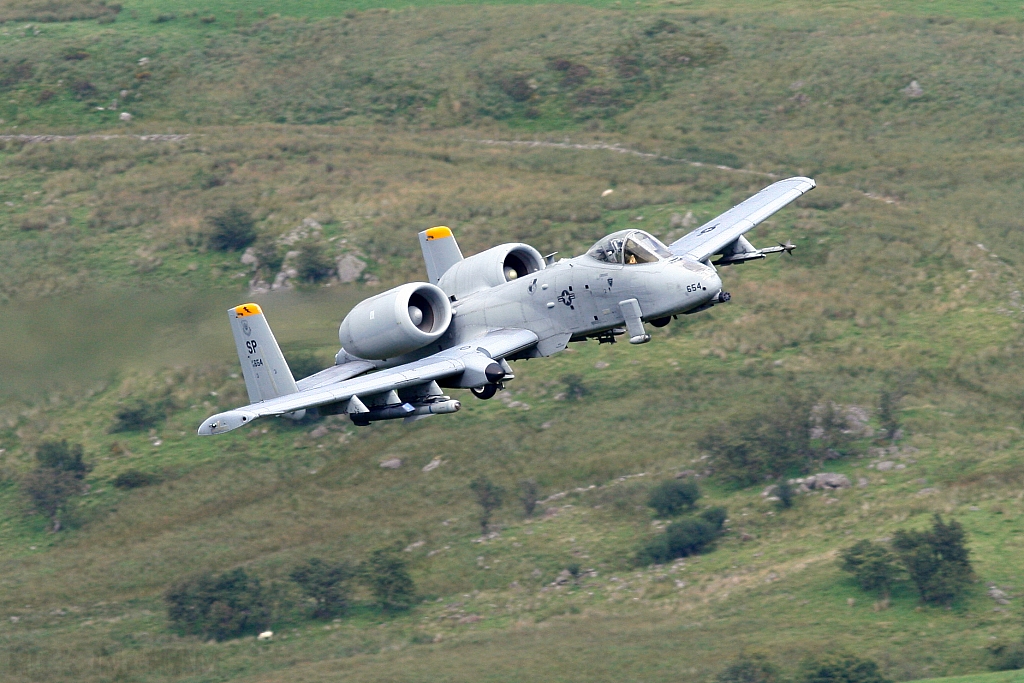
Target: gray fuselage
576, 298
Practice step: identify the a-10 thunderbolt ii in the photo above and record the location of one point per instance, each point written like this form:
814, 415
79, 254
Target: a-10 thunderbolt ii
402, 348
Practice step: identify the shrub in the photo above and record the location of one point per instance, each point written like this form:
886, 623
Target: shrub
313, 263
135, 479
50, 490
488, 496
767, 444
528, 495
715, 516
304, 363
888, 413
874, 566
1007, 657
753, 668
232, 229
840, 668
225, 606
387, 577
785, 493
325, 583
63, 457
937, 560
674, 496
139, 416
59, 475
683, 538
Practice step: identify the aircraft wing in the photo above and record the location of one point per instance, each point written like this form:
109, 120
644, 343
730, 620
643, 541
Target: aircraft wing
718, 233
473, 355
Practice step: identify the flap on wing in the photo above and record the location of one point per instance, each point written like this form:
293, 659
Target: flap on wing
335, 373
715, 235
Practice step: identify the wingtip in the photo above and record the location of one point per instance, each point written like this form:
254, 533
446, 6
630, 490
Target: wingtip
225, 422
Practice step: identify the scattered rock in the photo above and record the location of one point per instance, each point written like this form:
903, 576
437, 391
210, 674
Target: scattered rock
349, 268
928, 491
546, 425
1001, 597
885, 466
125, 116
391, 463
827, 481
744, 536
412, 546
770, 490
862, 482
913, 90
550, 512
433, 464
15, 620
536, 573
266, 635
319, 432
563, 578
470, 619
685, 473
607, 192
249, 259
601, 365
851, 602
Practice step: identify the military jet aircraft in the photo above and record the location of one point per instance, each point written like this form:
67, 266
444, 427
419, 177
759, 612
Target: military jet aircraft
402, 348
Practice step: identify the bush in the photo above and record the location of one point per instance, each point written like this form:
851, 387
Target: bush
1007, 657
325, 583
840, 668
684, 538
63, 457
137, 417
488, 496
674, 496
135, 479
749, 669
59, 475
50, 490
888, 413
528, 495
387, 577
874, 566
715, 516
313, 264
229, 605
764, 445
785, 493
937, 560
231, 230
304, 363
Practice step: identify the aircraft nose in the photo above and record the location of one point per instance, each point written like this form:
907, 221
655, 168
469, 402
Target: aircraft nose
712, 281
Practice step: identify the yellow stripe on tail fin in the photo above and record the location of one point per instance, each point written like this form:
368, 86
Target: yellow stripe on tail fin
440, 251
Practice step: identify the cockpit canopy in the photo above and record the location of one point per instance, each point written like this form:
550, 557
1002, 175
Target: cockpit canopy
629, 247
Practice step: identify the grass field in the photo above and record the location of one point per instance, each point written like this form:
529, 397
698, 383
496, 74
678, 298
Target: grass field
375, 124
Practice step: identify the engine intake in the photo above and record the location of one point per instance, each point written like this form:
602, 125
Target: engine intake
496, 266
396, 322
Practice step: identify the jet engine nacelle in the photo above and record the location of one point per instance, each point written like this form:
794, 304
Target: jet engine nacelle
496, 266
396, 322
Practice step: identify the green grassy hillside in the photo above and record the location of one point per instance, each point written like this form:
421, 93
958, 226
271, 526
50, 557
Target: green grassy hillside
355, 128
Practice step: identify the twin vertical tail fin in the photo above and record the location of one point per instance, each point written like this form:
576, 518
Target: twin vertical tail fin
264, 368
440, 251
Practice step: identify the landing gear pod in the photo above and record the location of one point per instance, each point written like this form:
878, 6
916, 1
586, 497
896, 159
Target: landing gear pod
395, 322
